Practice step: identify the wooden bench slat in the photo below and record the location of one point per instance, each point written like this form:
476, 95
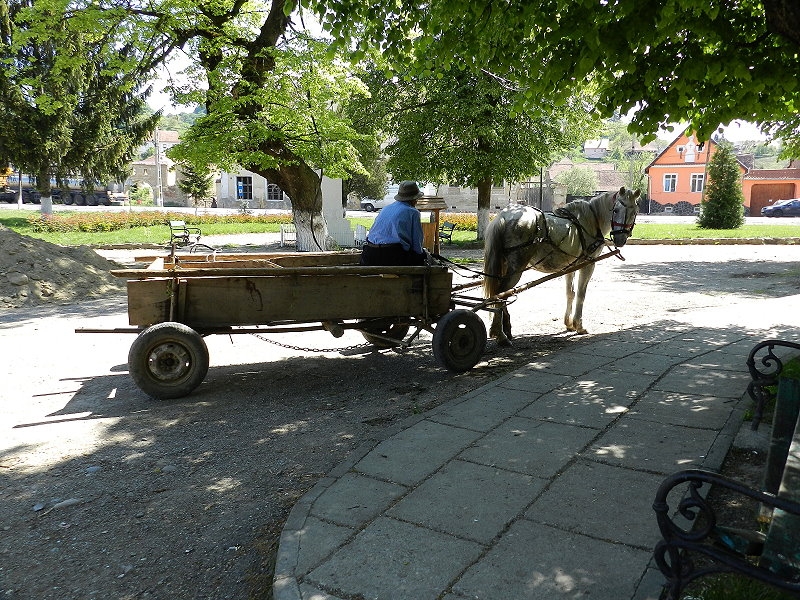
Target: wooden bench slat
781, 553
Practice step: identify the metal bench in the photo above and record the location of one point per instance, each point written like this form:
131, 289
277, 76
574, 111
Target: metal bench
288, 234
765, 368
446, 231
692, 530
181, 235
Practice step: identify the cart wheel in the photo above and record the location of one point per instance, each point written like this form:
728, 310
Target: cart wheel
168, 360
385, 328
459, 340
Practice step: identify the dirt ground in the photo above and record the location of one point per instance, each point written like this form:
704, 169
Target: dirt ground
105, 493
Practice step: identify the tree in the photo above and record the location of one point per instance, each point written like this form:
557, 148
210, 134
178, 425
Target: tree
702, 61
467, 129
69, 98
196, 182
723, 202
275, 108
580, 181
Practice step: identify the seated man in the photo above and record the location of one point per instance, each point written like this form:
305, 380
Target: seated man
395, 237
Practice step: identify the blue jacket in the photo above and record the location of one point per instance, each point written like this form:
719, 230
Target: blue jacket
398, 223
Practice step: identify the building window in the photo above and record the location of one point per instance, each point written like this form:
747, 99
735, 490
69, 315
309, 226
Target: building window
670, 182
244, 188
274, 193
697, 182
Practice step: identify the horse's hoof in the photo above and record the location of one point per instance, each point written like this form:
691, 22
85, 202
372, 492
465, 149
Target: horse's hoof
503, 342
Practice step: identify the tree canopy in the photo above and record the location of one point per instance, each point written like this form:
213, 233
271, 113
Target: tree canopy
707, 62
469, 129
69, 98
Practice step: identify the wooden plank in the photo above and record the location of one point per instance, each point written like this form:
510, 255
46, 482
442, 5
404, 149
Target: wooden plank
782, 547
219, 271
148, 301
223, 301
787, 410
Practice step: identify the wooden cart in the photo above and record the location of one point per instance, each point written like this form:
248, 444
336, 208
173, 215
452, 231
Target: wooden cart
178, 300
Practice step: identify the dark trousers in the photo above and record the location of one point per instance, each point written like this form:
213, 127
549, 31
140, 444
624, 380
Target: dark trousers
390, 255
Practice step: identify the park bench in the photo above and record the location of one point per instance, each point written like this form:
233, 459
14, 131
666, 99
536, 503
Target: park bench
181, 235
692, 532
446, 231
765, 366
288, 234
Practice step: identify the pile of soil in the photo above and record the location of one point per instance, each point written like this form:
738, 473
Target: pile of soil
35, 272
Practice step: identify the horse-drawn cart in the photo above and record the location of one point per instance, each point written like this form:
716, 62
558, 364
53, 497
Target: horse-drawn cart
178, 300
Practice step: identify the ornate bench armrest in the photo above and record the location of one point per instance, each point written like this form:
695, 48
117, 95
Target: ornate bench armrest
697, 532
765, 367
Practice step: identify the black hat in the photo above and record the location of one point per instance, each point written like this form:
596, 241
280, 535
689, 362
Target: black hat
408, 191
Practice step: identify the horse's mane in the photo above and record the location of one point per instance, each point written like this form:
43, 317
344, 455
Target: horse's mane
580, 208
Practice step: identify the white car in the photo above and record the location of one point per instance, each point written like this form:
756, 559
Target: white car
371, 204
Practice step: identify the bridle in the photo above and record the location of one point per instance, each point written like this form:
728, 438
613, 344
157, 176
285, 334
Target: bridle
624, 226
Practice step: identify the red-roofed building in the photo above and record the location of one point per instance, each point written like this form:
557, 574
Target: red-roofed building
678, 176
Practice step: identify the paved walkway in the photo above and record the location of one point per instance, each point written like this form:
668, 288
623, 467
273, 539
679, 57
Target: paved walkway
538, 485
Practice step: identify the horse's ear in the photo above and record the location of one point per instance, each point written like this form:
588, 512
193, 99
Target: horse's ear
638, 192
622, 191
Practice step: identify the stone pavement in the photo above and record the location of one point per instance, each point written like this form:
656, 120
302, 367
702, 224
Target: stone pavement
538, 485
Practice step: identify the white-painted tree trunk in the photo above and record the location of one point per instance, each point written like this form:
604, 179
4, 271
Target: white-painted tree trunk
483, 222
47, 205
312, 231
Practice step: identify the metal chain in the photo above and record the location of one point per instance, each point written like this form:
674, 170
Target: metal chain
305, 349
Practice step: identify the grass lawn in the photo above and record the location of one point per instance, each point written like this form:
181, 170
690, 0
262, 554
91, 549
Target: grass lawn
20, 221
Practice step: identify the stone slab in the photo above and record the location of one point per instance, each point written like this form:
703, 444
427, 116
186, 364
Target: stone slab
471, 501
485, 411
529, 446
593, 400
355, 499
648, 446
392, 559
601, 501
555, 564
414, 453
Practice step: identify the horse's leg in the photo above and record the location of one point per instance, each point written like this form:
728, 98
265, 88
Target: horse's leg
569, 279
584, 275
501, 321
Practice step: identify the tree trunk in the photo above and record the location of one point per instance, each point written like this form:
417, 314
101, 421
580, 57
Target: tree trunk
484, 203
43, 187
303, 185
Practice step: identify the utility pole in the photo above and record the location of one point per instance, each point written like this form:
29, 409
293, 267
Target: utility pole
158, 192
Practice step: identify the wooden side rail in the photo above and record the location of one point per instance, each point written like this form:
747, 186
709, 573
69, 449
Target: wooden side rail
774, 557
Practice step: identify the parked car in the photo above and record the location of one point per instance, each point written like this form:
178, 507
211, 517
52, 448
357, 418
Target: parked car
370, 204
783, 208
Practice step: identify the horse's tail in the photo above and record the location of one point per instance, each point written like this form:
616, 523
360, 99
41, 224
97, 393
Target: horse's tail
494, 264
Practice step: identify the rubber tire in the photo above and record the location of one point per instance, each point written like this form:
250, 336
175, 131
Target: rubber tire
80, 200
68, 199
393, 330
91, 200
368, 207
459, 340
168, 360
777, 213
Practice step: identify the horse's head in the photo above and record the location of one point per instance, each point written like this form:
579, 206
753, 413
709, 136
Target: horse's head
623, 215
